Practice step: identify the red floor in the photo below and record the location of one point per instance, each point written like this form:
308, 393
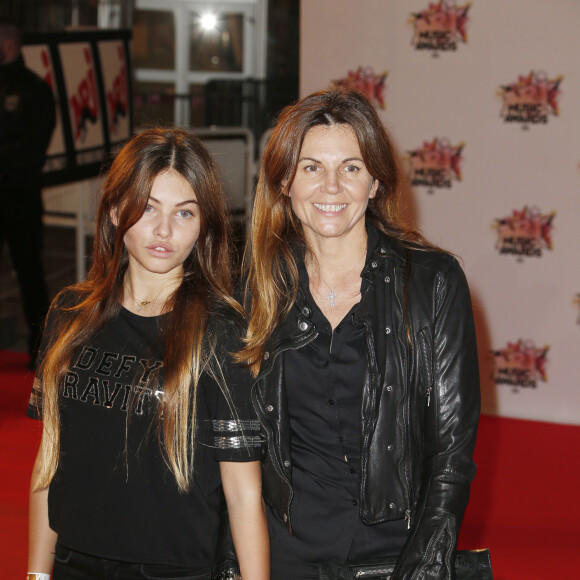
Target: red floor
524, 503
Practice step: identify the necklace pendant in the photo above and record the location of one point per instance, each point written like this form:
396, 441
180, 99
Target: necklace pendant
141, 303
331, 297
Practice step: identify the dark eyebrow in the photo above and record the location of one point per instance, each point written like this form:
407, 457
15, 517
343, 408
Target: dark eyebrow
186, 202
343, 161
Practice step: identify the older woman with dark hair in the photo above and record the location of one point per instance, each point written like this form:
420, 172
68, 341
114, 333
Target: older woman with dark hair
362, 341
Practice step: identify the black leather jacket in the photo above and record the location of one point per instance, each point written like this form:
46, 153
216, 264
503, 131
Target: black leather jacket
420, 403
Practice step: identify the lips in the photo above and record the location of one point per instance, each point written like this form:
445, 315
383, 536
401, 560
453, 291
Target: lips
160, 249
330, 207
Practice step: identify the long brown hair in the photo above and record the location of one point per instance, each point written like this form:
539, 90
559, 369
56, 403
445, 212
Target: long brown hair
207, 283
272, 274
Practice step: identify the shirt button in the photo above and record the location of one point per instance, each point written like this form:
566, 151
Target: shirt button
306, 311
303, 325
392, 506
266, 355
389, 447
286, 463
354, 502
387, 279
269, 408
389, 388
331, 401
374, 264
383, 250
338, 329
388, 330
351, 470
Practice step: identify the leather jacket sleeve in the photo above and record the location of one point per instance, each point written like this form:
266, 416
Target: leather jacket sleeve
449, 432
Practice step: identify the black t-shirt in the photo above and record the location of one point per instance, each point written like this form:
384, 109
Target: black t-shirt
113, 495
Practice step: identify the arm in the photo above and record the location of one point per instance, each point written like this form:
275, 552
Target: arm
41, 539
449, 433
242, 486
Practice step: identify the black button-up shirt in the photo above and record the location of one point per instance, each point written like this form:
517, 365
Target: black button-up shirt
324, 382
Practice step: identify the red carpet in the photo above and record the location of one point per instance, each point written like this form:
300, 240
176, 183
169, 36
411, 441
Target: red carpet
524, 504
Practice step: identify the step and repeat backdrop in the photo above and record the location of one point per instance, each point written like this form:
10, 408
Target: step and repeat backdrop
482, 99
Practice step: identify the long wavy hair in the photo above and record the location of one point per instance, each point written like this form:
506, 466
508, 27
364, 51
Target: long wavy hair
207, 284
269, 260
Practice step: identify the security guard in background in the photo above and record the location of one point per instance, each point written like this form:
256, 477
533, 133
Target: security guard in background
27, 120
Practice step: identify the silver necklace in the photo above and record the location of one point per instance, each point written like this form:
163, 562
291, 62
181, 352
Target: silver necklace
331, 296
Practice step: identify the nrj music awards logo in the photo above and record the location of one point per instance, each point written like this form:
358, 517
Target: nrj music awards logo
84, 102
118, 94
441, 27
525, 233
435, 165
365, 81
520, 364
531, 99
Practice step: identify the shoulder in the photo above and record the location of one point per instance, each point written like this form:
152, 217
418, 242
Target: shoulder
29, 76
226, 328
35, 87
440, 263
64, 305
417, 259
68, 298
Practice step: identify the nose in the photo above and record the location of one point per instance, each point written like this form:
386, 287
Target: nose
331, 182
162, 227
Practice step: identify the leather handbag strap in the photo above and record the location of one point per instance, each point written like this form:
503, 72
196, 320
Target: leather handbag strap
469, 565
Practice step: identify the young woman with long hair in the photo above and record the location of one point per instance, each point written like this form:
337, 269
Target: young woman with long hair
362, 341
144, 412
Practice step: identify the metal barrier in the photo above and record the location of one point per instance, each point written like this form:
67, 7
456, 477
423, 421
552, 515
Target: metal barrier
73, 205
233, 151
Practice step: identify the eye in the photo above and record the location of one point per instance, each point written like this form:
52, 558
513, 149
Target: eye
148, 208
311, 168
352, 168
185, 213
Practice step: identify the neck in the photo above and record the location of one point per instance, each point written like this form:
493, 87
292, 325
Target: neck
332, 259
10, 59
147, 296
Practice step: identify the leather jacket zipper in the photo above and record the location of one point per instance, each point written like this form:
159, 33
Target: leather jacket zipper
407, 407
260, 412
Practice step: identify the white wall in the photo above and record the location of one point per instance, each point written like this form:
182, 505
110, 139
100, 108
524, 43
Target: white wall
505, 167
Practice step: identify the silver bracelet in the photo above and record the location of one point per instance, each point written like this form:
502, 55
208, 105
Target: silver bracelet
227, 575
37, 576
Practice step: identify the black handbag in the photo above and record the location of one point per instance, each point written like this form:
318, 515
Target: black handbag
469, 565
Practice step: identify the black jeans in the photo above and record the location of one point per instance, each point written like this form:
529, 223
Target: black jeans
71, 565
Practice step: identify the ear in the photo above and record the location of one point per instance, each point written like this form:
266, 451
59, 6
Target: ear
373, 188
113, 216
285, 188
